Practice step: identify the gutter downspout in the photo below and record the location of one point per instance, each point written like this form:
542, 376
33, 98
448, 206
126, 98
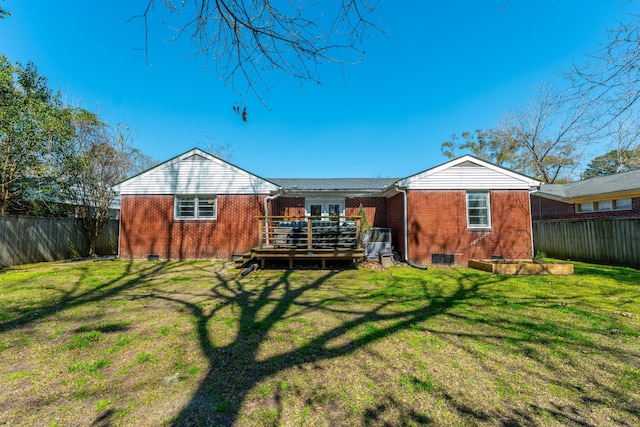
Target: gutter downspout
119, 227
406, 232
266, 211
533, 246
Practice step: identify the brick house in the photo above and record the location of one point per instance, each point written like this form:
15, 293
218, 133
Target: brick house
604, 197
199, 206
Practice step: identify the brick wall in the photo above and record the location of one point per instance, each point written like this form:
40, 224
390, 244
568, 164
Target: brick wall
546, 209
287, 206
148, 227
437, 224
396, 222
375, 207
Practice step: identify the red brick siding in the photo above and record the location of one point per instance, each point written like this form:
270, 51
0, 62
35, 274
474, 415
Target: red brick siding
147, 227
287, 206
437, 224
376, 208
396, 222
547, 209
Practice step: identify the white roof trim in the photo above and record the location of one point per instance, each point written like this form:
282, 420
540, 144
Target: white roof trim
467, 158
186, 155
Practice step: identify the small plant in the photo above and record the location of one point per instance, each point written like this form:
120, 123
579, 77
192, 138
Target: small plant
145, 357
89, 367
102, 404
539, 256
365, 225
364, 222
84, 340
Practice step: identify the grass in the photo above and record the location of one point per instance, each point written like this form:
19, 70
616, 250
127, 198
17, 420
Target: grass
194, 343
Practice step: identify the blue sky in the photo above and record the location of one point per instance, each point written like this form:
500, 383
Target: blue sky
443, 67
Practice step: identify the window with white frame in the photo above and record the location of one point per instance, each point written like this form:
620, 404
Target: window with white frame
478, 209
585, 207
622, 204
604, 205
196, 206
315, 206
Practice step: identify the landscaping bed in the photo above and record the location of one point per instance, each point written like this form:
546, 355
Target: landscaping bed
521, 268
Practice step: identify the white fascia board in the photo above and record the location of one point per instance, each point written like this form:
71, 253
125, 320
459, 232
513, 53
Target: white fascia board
467, 158
195, 151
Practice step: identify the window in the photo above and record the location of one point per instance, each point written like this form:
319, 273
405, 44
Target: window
603, 205
196, 207
584, 207
622, 204
478, 209
317, 207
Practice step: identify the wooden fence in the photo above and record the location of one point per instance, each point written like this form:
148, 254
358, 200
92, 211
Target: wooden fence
26, 240
605, 241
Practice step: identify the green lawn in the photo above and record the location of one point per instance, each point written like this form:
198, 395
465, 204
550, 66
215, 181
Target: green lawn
176, 343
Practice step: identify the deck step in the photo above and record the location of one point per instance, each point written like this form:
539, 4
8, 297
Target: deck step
241, 259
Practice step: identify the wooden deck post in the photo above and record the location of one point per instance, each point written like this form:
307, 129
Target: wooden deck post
260, 232
309, 234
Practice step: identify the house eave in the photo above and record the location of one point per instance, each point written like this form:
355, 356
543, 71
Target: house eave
332, 193
591, 197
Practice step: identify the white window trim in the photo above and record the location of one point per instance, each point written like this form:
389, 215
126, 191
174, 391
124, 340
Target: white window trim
596, 208
629, 208
483, 226
325, 202
196, 199
578, 210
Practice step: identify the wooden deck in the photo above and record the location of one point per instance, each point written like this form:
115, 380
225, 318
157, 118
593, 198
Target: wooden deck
308, 238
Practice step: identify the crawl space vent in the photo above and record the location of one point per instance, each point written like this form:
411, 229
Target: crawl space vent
442, 259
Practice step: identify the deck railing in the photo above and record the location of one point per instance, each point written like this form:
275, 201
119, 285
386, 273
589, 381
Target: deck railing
309, 233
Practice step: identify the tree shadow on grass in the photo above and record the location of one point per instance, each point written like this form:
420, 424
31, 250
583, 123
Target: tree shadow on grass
80, 293
262, 302
237, 367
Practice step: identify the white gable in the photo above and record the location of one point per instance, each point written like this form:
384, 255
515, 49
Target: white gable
468, 173
196, 172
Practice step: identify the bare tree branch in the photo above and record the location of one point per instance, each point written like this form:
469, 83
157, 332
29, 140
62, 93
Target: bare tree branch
246, 38
610, 82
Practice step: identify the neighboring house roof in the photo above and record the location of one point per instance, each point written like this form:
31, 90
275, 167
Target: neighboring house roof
352, 186
467, 173
196, 172
619, 184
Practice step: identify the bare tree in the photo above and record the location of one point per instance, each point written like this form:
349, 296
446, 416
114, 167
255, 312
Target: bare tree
610, 81
544, 139
249, 37
551, 132
626, 141
99, 159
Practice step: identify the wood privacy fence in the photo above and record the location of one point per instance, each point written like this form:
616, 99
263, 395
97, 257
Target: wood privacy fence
25, 240
605, 241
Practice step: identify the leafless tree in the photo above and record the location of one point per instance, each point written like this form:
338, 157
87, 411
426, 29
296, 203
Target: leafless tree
544, 139
100, 159
249, 37
610, 81
551, 132
626, 140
